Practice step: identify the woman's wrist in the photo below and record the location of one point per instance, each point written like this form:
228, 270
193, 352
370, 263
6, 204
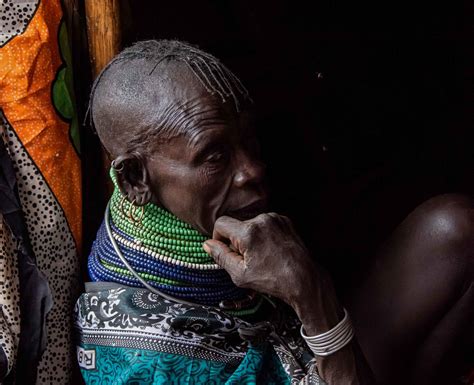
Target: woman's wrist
316, 305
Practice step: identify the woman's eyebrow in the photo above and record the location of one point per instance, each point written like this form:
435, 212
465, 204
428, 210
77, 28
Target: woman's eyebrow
205, 143
206, 134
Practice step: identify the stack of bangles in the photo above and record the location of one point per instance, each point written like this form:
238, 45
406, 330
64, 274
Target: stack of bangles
327, 343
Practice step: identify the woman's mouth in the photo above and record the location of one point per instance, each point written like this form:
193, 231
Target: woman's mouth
250, 211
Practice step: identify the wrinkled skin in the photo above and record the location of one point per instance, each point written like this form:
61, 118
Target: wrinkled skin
211, 177
211, 170
214, 172
250, 240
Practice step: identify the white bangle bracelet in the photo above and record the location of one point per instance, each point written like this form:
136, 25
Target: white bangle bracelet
329, 342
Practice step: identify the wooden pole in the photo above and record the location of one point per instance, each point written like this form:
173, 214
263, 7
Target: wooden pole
104, 35
103, 31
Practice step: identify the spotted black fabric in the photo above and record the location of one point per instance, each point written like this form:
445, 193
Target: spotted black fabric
53, 244
15, 16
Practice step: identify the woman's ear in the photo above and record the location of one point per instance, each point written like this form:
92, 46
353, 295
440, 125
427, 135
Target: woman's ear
133, 179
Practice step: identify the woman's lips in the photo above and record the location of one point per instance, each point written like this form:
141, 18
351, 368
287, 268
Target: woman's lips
250, 211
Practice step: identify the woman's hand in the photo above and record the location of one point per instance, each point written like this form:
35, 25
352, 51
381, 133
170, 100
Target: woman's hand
264, 254
267, 255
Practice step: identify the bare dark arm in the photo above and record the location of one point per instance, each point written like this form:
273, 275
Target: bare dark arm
414, 312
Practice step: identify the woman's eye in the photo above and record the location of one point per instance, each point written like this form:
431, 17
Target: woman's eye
215, 157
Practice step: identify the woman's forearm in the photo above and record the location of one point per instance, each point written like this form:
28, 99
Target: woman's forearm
319, 311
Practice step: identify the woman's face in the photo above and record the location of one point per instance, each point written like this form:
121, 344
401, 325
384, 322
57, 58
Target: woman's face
211, 170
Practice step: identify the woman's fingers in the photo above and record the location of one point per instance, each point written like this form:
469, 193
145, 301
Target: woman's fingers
262, 253
226, 258
228, 228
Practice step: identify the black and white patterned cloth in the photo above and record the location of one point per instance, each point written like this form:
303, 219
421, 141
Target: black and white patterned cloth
134, 319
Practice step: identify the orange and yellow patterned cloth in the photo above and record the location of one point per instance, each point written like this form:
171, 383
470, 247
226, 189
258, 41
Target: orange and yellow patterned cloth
38, 126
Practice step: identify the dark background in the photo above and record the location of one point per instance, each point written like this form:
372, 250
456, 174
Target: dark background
364, 109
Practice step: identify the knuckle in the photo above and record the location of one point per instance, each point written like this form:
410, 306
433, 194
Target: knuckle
219, 257
276, 218
268, 218
219, 221
252, 228
287, 220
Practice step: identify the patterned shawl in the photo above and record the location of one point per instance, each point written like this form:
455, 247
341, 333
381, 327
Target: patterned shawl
129, 335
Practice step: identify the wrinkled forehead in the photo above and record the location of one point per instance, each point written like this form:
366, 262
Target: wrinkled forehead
140, 101
184, 105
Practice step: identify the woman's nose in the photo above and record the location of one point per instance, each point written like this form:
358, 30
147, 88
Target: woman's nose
248, 170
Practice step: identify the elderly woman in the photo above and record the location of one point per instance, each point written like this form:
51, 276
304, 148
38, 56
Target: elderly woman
194, 281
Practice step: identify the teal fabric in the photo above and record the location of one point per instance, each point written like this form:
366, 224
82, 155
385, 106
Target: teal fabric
117, 365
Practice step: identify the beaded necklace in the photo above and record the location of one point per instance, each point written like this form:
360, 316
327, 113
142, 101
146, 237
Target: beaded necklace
167, 254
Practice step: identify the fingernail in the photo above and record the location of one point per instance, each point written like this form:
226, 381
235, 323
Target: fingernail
206, 248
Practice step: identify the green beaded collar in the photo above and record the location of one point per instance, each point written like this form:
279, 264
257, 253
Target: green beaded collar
158, 229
